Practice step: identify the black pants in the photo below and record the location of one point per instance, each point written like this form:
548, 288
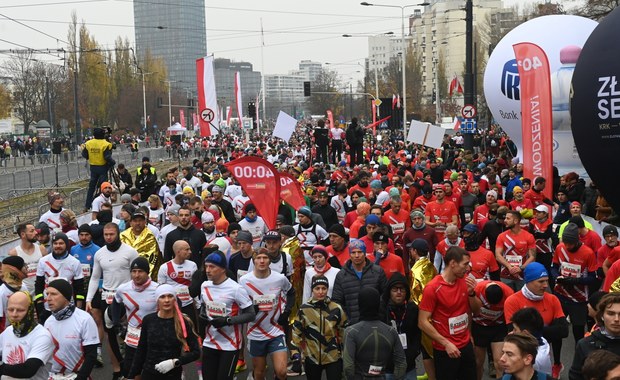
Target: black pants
336, 152
174, 374
333, 371
321, 154
357, 154
463, 368
130, 352
218, 365
98, 175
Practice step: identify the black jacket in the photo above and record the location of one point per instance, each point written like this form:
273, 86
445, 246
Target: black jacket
596, 341
347, 286
195, 238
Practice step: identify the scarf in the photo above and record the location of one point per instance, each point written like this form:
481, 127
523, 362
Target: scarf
529, 295
26, 325
64, 313
12, 277
326, 267
251, 220
140, 288
606, 334
115, 245
61, 257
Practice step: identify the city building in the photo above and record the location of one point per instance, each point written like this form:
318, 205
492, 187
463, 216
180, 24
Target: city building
284, 92
309, 69
174, 31
224, 72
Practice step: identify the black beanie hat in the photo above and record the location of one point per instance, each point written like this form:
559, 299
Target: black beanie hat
85, 228
319, 280
570, 234
140, 263
368, 301
63, 287
233, 227
14, 261
61, 236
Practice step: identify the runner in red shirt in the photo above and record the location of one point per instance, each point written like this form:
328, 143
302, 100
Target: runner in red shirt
441, 213
451, 194
339, 248
427, 196
515, 250
445, 314
397, 218
574, 268
586, 236
383, 257
521, 204
535, 194
362, 184
482, 212
483, 263
610, 233
541, 226
452, 239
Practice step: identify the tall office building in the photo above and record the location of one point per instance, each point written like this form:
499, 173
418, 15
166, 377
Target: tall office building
174, 30
224, 72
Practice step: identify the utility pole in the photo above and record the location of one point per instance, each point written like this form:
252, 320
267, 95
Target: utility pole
468, 138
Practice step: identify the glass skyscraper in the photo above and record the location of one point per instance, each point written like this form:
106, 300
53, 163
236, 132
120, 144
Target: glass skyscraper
174, 30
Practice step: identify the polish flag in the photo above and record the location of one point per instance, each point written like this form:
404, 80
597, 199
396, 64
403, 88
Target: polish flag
455, 85
398, 101
456, 124
393, 101
228, 115
208, 117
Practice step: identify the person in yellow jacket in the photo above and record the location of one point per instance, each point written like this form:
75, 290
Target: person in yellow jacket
422, 272
140, 238
98, 152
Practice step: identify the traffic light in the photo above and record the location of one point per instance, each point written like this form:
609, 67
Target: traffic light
307, 91
252, 113
159, 102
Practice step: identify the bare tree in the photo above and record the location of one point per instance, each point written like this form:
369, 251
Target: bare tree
326, 81
597, 9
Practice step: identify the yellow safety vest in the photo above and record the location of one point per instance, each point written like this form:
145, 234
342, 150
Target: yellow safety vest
96, 148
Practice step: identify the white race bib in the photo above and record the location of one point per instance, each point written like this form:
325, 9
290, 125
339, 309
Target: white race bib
458, 324
183, 293
491, 315
570, 270
215, 309
32, 269
398, 228
514, 260
133, 336
86, 270
241, 273
403, 340
265, 302
108, 296
375, 370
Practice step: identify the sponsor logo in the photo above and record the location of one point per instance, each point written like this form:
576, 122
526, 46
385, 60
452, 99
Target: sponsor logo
510, 80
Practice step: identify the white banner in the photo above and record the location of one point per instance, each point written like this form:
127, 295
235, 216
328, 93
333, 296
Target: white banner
285, 126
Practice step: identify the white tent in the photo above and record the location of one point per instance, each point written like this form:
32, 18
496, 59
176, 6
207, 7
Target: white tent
176, 129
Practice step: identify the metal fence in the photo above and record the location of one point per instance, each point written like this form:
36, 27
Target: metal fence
67, 168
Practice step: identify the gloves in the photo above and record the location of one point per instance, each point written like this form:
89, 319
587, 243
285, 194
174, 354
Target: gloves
219, 322
121, 331
567, 281
165, 366
296, 364
283, 319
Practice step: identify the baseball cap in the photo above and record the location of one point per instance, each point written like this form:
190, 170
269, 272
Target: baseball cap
272, 235
541, 208
138, 214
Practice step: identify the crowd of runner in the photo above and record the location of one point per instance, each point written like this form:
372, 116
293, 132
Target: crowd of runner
400, 251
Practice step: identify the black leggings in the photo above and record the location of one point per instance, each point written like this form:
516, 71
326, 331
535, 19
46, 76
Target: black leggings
463, 368
333, 371
556, 347
217, 364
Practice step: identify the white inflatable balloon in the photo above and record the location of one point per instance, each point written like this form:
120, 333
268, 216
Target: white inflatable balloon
561, 37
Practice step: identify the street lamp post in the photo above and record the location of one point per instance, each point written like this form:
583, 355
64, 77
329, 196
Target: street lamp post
144, 98
404, 50
468, 139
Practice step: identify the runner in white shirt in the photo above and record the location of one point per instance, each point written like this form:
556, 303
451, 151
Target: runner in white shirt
172, 215
60, 264
321, 267
52, 217
239, 203
178, 272
13, 275
138, 297
226, 306
112, 262
26, 346
104, 197
273, 297
29, 250
232, 191
281, 262
308, 232
74, 334
208, 226
254, 224
341, 202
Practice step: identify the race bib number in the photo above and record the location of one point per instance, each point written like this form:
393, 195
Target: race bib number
32, 269
133, 336
403, 340
86, 270
570, 270
491, 315
514, 260
375, 370
108, 296
458, 324
265, 302
398, 228
183, 293
215, 309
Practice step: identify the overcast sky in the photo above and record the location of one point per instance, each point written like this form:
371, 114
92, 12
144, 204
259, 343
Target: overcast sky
293, 30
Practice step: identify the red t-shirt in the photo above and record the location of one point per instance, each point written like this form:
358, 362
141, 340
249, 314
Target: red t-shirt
349, 218
612, 275
516, 249
549, 308
591, 239
574, 264
441, 212
370, 245
482, 261
366, 190
491, 315
421, 202
390, 264
455, 198
443, 246
398, 222
613, 254
481, 212
449, 308
536, 197
342, 256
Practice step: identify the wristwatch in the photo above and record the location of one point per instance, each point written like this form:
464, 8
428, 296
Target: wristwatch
471, 294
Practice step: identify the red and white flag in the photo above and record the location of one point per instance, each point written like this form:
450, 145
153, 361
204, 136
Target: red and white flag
182, 118
456, 124
455, 85
208, 117
393, 101
228, 115
398, 101
238, 101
